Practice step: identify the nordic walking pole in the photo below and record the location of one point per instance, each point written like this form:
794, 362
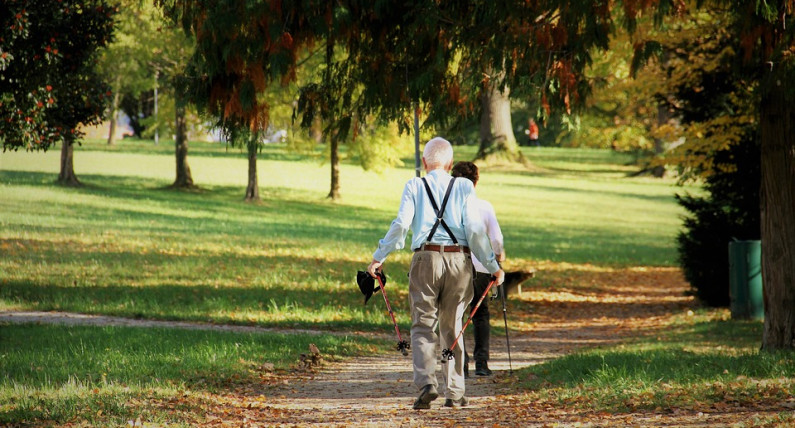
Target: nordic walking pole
402, 345
507, 341
447, 354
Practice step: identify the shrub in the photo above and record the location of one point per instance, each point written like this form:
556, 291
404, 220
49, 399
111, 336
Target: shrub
729, 212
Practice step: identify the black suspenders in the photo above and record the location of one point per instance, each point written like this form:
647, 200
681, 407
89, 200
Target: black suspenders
440, 211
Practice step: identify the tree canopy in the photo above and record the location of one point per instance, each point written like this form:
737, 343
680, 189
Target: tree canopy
49, 85
438, 54
399, 52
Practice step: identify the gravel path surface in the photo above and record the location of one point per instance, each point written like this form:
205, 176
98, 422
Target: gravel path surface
378, 390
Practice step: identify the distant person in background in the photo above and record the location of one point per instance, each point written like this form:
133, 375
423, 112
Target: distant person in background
532, 132
480, 320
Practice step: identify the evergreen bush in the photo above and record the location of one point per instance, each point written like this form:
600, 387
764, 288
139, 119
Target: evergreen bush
730, 211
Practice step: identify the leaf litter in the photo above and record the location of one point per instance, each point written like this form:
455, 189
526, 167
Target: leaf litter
572, 308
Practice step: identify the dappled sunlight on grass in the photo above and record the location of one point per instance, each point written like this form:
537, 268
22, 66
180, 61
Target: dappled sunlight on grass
135, 249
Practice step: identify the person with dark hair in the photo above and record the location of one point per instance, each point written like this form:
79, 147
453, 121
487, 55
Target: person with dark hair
480, 320
446, 225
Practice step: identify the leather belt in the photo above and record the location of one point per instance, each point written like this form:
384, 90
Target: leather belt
443, 248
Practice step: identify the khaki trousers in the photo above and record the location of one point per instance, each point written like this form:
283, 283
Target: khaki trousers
440, 288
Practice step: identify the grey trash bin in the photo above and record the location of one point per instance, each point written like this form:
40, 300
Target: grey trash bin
745, 280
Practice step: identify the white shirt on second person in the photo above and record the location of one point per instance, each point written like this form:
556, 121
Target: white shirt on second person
492, 230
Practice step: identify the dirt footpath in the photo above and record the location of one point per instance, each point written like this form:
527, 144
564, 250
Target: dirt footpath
378, 391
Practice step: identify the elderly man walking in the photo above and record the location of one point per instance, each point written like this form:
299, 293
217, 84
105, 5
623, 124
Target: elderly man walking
447, 228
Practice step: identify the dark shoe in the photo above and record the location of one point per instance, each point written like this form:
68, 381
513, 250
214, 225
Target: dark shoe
427, 394
482, 369
461, 402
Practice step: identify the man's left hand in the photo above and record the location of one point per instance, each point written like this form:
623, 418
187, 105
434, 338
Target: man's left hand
500, 277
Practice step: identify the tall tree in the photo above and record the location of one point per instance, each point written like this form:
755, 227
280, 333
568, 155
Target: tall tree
497, 140
242, 48
170, 59
149, 49
321, 103
767, 43
716, 130
124, 63
47, 67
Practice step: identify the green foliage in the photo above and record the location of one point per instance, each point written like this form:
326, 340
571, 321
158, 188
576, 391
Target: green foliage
126, 62
148, 52
164, 122
430, 53
700, 85
716, 130
622, 112
729, 211
379, 147
49, 85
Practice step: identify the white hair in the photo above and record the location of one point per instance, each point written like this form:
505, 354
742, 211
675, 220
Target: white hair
438, 152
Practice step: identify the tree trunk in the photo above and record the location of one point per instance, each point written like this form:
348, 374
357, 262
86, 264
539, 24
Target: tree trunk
67, 176
114, 110
332, 139
184, 178
334, 193
777, 124
316, 130
497, 141
663, 115
252, 191
112, 127
112, 123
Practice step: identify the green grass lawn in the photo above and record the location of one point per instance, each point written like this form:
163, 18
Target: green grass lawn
54, 373
703, 362
124, 245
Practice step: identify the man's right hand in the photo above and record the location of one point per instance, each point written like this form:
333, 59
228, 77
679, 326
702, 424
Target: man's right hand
374, 267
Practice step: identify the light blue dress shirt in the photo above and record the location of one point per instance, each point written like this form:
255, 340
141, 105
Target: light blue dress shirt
461, 215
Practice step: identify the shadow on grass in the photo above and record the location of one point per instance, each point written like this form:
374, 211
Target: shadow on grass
276, 307
604, 246
49, 355
147, 206
577, 192
170, 288
651, 367
226, 286
144, 206
271, 152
